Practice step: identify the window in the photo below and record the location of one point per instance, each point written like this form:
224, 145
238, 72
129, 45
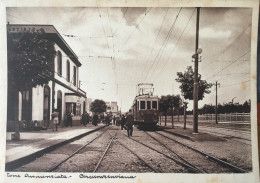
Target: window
71, 107
148, 104
78, 109
154, 105
74, 75
59, 64
142, 106
68, 70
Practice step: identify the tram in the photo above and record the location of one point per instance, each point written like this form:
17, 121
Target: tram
145, 108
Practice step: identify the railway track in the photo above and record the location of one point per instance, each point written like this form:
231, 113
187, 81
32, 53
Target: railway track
227, 165
237, 138
230, 137
53, 159
229, 128
183, 163
113, 138
75, 152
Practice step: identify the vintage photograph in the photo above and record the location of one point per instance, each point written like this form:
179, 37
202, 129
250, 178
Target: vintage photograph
129, 90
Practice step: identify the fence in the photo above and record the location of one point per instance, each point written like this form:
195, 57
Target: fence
222, 118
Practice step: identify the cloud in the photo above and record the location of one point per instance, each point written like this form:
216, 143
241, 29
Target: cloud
132, 15
214, 34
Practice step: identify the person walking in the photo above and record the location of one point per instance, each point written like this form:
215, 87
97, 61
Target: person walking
55, 119
107, 119
95, 118
129, 124
114, 120
122, 122
85, 119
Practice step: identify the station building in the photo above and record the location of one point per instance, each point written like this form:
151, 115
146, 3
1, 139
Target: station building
62, 92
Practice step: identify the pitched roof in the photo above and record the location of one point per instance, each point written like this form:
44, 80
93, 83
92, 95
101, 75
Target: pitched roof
51, 32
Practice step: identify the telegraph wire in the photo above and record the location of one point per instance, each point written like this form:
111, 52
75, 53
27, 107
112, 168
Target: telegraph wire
229, 65
164, 43
235, 84
229, 46
103, 27
233, 74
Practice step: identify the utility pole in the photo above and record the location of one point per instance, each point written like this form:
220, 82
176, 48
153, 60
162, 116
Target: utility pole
195, 89
216, 108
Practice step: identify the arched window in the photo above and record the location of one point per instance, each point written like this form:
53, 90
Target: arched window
59, 64
68, 70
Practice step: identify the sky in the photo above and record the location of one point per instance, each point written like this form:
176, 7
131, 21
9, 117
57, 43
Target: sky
122, 47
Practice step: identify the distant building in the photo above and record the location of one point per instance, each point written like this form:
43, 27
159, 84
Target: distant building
89, 101
112, 107
63, 90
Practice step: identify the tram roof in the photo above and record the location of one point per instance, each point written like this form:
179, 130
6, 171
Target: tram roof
146, 96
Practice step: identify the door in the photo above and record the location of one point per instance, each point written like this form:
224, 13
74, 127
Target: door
59, 104
46, 103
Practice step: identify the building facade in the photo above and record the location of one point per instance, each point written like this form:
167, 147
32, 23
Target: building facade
112, 107
63, 90
89, 101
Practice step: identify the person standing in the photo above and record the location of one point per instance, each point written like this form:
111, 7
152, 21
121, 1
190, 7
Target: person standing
129, 124
122, 122
55, 119
69, 118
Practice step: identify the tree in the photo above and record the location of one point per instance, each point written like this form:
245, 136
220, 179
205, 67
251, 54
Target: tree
169, 102
30, 59
98, 106
164, 106
186, 80
174, 102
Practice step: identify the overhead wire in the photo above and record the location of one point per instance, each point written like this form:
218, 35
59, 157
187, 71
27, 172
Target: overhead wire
123, 45
176, 44
146, 62
164, 43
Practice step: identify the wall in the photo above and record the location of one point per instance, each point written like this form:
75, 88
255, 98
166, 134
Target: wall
63, 77
37, 104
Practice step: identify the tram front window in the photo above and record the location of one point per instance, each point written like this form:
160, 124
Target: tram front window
154, 105
142, 104
148, 104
